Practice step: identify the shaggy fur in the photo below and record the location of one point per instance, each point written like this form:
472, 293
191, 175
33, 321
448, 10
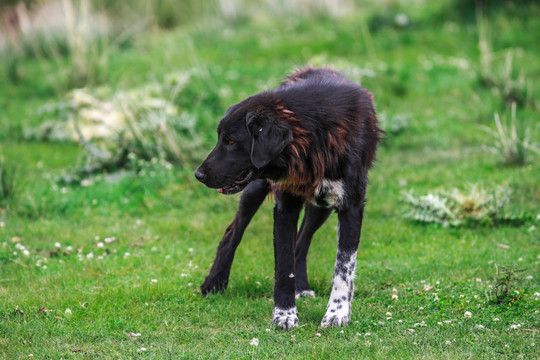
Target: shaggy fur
311, 142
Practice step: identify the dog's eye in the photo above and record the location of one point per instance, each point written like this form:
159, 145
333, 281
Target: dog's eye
231, 142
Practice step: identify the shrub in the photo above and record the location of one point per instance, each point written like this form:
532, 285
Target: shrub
123, 129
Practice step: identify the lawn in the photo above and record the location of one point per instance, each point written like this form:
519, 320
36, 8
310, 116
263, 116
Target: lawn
108, 264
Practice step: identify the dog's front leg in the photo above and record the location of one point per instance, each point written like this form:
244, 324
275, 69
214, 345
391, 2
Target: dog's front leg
338, 310
251, 199
286, 214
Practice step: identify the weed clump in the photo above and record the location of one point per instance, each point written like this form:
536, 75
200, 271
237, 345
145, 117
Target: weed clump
124, 129
478, 206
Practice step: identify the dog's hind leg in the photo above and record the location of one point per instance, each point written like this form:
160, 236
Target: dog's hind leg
250, 201
338, 310
314, 217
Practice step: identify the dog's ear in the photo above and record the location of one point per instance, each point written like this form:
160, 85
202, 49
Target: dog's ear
269, 137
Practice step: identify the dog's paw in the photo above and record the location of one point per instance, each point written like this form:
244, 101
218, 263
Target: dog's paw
336, 316
285, 318
212, 286
305, 293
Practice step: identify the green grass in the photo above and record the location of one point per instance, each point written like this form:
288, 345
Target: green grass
170, 225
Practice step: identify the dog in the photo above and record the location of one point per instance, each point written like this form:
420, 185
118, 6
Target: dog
310, 142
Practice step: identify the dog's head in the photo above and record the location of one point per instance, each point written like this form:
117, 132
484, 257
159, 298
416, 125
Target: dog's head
250, 137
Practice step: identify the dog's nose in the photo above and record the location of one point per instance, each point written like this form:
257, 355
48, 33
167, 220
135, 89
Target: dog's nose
200, 175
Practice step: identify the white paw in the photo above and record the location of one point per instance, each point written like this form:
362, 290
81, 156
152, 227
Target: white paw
285, 318
337, 314
305, 293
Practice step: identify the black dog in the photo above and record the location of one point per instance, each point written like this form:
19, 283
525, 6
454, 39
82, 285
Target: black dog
310, 141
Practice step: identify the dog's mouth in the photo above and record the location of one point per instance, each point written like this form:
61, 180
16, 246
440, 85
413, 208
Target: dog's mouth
238, 185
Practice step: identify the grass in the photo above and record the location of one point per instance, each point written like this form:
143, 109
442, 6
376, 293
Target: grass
166, 226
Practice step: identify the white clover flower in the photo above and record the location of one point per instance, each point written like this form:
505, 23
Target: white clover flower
506, 346
2, 224
190, 250
126, 255
268, 330
57, 245
254, 342
496, 319
26, 253
478, 326
394, 297
515, 327
100, 245
293, 337
153, 281
69, 248
90, 255
388, 314
478, 280
410, 331
143, 349
448, 342
467, 314
318, 334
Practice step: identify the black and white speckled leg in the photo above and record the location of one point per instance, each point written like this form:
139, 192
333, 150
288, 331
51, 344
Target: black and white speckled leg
338, 310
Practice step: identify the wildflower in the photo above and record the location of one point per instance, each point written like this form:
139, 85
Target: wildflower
100, 245
109, 239
467, 314
183, 275
421, 308
293, 337
126, 255
400, 321
439, 323
143, 349
478, 280
69, 248
528, 277
26, 253
90, 255
421, 324
134, 334
506, 346
496, 319
254, 342
410, 331
57, 245
190, 250
394, 297
367, 334
318, 334
268, 330
515, 327
388, 314
3, 224
368, 343
68, 313
153, 281
461, 296
447, 321
478, 326
448, 342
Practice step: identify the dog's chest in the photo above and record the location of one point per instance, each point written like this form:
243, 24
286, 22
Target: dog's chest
329, 193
